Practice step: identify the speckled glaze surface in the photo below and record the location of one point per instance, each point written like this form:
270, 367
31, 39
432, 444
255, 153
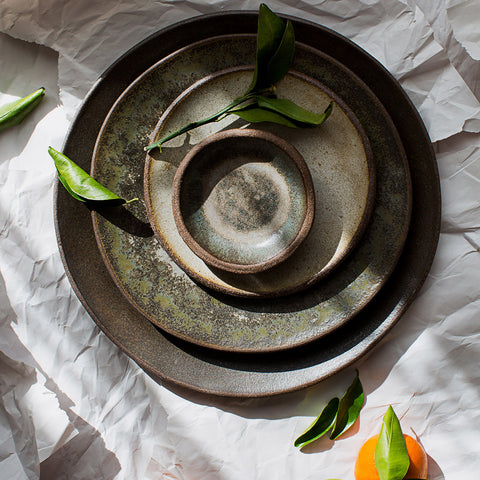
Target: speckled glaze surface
337, 153
242, 200
162, 292
179, 364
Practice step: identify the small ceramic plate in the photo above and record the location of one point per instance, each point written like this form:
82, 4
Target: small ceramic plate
337, 154
243, 200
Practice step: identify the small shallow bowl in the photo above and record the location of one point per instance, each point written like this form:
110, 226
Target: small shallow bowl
243, 200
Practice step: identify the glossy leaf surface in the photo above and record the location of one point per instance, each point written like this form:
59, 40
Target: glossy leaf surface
391, 455
254, 114
349, 408
68, 189
274, 49
13, 113
280, 62
294, 112
322, 424
79, 183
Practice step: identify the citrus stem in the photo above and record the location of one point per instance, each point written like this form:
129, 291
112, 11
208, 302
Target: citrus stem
212, 118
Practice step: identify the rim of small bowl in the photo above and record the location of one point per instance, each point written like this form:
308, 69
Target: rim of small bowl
308, 217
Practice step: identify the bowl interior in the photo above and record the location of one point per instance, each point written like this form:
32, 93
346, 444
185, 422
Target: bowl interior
243, 200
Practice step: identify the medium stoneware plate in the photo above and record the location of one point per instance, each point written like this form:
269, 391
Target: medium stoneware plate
337, 153
242, 200
182, 364
174, 301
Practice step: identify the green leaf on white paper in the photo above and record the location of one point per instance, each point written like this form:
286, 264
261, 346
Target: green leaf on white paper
391, 455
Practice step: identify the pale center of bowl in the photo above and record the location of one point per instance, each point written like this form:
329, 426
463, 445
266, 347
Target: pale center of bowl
249, 200
244, 201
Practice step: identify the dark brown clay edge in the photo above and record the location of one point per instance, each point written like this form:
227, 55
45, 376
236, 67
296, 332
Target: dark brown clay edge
308, 217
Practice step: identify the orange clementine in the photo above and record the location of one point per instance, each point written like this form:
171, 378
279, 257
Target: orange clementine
365, 465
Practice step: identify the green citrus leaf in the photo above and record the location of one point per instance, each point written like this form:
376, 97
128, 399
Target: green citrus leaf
349, 408
322, 424
254, 114
270, 36
280, 62
391, 455
294, 112
275, 49
13, 113
78, 182
68, 189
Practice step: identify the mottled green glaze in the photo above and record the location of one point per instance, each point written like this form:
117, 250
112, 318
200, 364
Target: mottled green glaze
164, 293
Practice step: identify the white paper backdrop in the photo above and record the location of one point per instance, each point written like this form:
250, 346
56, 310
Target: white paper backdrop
72, 406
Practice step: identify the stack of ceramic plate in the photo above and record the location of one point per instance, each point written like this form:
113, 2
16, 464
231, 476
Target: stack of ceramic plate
369, 249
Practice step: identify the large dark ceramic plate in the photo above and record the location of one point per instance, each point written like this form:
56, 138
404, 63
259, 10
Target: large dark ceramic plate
223, 373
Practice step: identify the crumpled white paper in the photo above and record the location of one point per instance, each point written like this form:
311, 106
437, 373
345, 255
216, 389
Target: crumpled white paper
72, 406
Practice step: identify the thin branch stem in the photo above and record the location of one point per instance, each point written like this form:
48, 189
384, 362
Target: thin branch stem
212, 118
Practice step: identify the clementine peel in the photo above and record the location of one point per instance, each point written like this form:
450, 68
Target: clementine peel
365, 468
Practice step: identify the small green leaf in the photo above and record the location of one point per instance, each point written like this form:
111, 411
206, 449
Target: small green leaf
68, 189
349, 408
254, 114
391, 455
13, 113
270, 34
78, 182
275, 49
281, 111
280, 62
294, 112
322, 424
